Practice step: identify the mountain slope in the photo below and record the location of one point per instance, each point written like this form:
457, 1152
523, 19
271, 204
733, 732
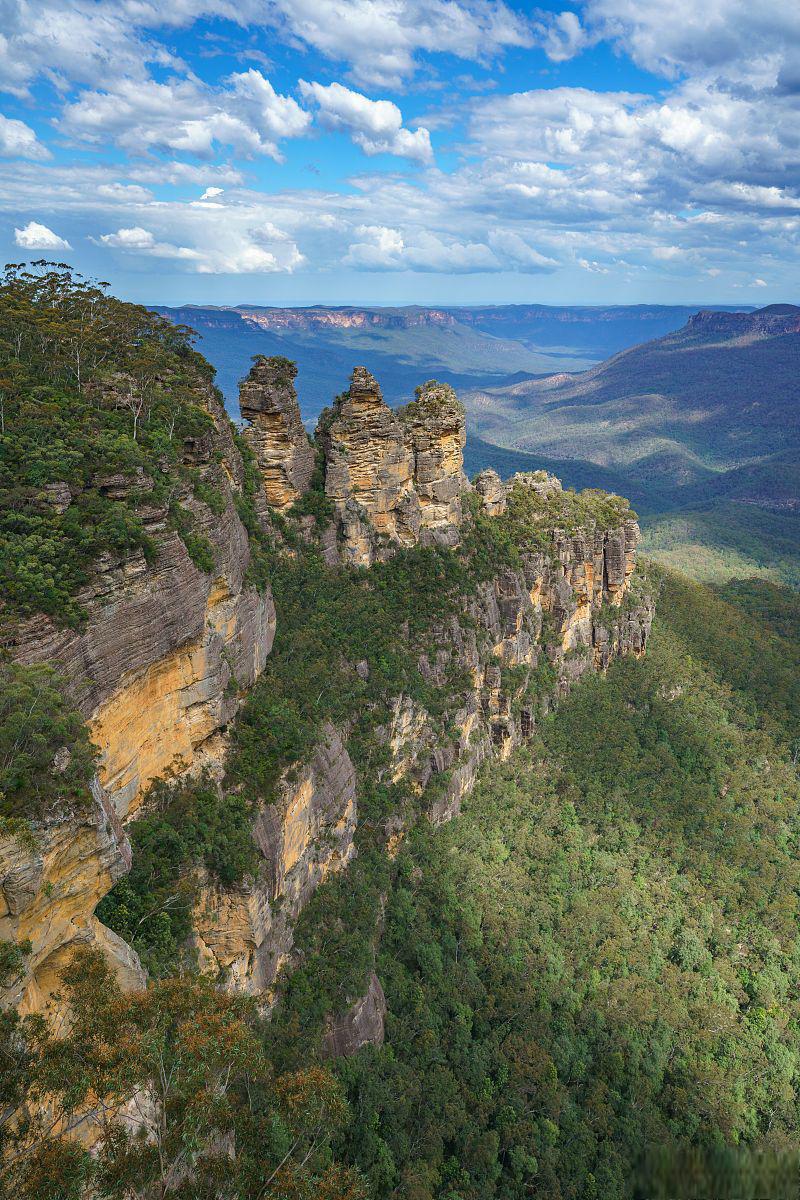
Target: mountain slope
400, 345
719, 393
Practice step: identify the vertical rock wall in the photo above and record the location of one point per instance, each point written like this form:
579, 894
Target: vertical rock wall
277, 436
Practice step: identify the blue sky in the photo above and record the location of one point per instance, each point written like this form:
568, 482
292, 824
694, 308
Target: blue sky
402, 151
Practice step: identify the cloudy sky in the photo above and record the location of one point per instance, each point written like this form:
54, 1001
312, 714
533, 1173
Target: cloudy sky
431, 151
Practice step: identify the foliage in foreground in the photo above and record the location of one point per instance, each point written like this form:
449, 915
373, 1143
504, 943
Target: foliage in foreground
205, 1114
46, 758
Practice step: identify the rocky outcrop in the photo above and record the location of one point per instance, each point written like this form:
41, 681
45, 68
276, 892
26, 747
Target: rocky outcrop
48, 894
567, 611
395, 479
775, 319
167, 650
276, 434
361, 1025
492, 491
158, 669
436, 426
244, 934
369, 470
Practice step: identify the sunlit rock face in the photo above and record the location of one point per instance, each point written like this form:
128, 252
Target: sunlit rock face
567, 606
369, 472
158, 669
276, 434
436, 426
396, 478
167, 650
48, 894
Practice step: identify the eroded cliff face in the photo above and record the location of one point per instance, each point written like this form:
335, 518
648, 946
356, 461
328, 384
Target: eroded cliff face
521, 641
369, 472
48, 894
436, 426
277, 436
243, 935
566, 612
158, 669
167, 650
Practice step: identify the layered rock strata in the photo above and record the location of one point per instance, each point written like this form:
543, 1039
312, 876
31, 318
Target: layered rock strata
565, 612
276, 434
48, 894
158, 669
435, 424
166, 651
369, 473
395, 479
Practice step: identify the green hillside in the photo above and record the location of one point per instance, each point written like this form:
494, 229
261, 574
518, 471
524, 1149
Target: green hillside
727, 540
591, 974
719, 393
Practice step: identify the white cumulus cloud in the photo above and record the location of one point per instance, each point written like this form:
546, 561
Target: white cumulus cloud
380, 40
374, 125
38, 237
142, 241
189, 117
18, 140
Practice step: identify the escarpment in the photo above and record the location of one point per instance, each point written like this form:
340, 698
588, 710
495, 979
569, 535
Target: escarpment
484, 605
157, 667
480, 679
244, 935
167, 648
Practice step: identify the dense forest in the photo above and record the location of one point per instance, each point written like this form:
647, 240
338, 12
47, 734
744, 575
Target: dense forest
592, 974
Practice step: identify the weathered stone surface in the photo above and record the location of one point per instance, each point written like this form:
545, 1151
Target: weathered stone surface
396, 479
48, 896
369, 466
492, 491
436, 425
166, 650
245, 934
361, 1025
267, 398
578, 585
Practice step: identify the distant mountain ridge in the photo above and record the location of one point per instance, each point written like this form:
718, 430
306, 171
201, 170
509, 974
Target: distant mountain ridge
701, 428
465, 346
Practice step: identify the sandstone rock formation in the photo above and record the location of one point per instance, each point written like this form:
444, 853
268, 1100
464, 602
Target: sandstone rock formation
158, 669
267, 398
564, 607
244, 934
166, 651
361, 1025
396, 479
436, 425
369, 467
492, 491
48, 895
